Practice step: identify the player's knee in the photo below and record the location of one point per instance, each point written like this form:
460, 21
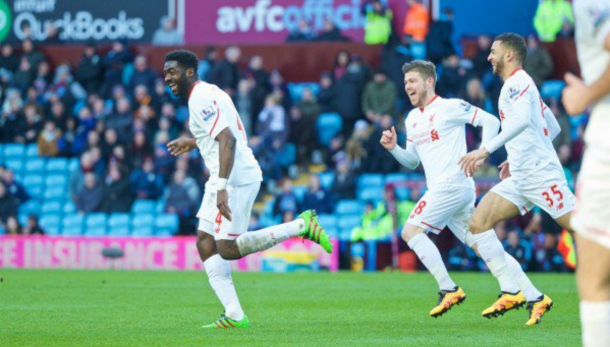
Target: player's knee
206, 246
228, 250
476, 226
409, 232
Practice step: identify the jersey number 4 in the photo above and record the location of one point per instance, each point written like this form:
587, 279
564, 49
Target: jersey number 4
557, 195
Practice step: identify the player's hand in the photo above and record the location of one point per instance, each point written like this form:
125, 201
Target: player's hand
575, 95
504, 170
180, 146
222, 202
468, 163
388, 139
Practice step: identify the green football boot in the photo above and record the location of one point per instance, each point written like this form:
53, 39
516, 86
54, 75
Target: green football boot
313, 230
225, 322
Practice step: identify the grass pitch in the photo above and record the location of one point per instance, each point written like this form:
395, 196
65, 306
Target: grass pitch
132, 308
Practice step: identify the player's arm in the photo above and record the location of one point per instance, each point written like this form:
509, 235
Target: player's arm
468, 114
406, 157
226, 147
181, 145
490, 125
576, 95
551, 122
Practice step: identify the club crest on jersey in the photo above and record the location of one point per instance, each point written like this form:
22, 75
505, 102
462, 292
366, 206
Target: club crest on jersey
513, 91
599, 17
465, 106
208, 113
434, 135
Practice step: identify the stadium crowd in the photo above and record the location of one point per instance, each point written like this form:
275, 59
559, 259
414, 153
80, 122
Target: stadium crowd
114, 113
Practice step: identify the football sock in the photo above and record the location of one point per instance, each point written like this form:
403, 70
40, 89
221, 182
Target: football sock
595, 322
430, 256
219, 275
531, 293
493, 255
260, 240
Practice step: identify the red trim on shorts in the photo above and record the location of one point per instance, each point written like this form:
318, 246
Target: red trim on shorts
476, 110
524, 90
435, 228
233, 234
191, 92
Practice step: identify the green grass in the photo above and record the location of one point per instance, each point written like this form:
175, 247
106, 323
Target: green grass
131, 308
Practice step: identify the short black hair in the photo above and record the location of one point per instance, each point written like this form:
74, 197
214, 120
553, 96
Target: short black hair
185, 59
426, 69
515, 43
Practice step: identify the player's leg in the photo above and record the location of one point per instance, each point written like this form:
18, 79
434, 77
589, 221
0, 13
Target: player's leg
233, 242
431, 214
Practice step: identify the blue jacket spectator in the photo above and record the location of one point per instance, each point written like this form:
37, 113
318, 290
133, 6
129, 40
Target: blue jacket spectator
285, 201
317, 198
145, 182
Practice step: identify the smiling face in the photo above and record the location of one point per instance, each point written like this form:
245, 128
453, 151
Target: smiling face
417, 89
177, 78
496, 58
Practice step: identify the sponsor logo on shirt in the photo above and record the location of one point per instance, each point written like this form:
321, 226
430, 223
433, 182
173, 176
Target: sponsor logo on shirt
599, 16
513, 91
208, 113
465, 106
434, 135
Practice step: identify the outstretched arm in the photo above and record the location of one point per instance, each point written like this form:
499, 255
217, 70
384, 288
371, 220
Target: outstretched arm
406, 157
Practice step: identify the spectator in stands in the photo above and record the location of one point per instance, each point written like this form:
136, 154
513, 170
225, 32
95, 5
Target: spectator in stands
146, 183
378, 26
167, 34
309, 106
65, 87
206, 64
302, 134
117, 193
90, 69
254, 223
513, 247
302, 33
122, 120
43, 78
452, 82
28, 127
550, 18
32, 227
164, 162
285, 200
349, 94
225, 74
142, 74
539, 64
377, 223
31, 54
24, 75
476, 96
416, 21
13, 187
260, 86
140, 149
327, 94
330, 33
243, 103
8, 59
53, 35
344, 183
8, 205
355, 146
377, 159
12, 226
335, 152
273, 124
439, 44
342, 60
114, 63
565, 136
48, 140
379, 98
317, 197
90, 197
481, 68
180, 202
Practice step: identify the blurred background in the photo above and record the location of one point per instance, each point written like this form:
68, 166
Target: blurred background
86, 117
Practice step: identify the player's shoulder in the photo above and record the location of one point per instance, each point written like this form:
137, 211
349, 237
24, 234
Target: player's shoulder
459, 105
517, 84
203, 92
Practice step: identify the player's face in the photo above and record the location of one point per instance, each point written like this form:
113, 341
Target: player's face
415, 87
496, 57
175, 77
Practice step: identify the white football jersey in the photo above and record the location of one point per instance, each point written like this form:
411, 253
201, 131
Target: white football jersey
592, 26
438, 135
532, 149
211, 110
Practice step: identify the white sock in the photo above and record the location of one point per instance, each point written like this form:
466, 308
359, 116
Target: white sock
595, 322
531, 293
492, 253
260, 240
219, 275
429, 255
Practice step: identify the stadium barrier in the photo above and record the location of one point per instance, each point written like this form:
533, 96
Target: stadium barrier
140, 253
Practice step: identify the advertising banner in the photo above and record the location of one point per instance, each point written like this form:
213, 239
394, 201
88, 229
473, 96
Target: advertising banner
81, 21
266, 21
174, 253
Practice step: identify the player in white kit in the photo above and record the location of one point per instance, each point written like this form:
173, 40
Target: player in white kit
591, 218
532, 175
231, 190
436, 136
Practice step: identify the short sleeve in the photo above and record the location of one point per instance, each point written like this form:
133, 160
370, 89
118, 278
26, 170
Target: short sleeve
208, 115
598, 14
462, 112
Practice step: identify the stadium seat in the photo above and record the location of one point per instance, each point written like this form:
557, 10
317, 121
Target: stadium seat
166, 222
147, 231
299, 192
119, 220
22, 218
160, 206
143, 206
288, 155
328, 125
552, 89
75, 230
56, 181
51, 207
119, 231
296, 89
349, 222
332, 232
54, 193
349, 207
327, 221
57, 165
69, 207
32, 180
370, 181
34, 165
73, 165
15, 164
31, 151
142, 220
326, 179
73, 220
14, 150
51, 224
370, 194
96, 219
402, 193
30, 207
418, 50
35, 192
95, 230
394, 178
